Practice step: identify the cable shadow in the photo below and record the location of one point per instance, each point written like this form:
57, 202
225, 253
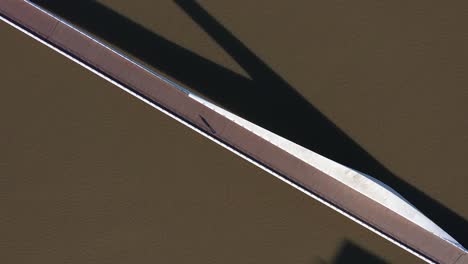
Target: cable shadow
265, 99
349, 252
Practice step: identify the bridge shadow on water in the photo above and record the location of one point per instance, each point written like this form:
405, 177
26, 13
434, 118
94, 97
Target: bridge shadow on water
265, 98
350, 252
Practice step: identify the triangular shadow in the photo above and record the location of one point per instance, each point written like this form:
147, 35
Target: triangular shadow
266, 99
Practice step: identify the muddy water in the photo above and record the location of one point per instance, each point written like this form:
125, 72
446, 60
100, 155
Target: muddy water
93, 175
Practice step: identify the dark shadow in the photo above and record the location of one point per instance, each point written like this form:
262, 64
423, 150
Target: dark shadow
265, 99
352, 253
211, 129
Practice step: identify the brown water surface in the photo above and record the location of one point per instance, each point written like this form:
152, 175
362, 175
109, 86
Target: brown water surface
90, 174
